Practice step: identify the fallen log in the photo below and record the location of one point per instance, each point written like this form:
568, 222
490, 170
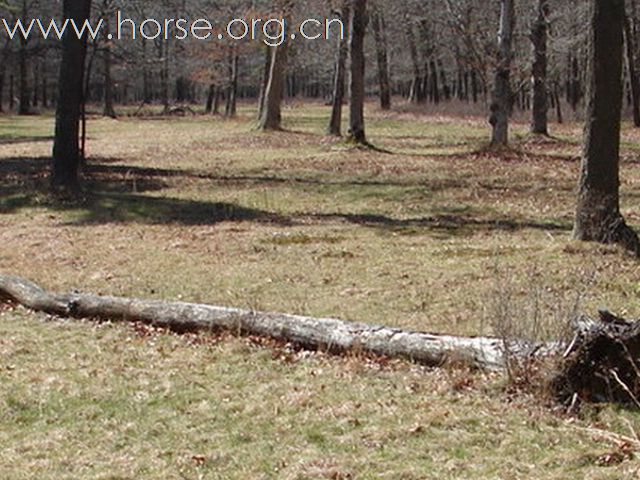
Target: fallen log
328, 334
601, 364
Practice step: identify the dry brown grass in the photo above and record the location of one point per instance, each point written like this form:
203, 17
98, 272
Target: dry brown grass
431, 236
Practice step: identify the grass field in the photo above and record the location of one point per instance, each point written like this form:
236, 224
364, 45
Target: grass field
436, 234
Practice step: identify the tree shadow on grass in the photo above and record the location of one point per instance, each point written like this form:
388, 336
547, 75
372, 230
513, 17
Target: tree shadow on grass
114, 195
102, 208
454, 225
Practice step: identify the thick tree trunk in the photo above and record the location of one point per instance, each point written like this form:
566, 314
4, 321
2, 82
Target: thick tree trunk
502, 95
271, 118
339, 81
66, 151
314, 333
382, 55
598, 215
634, 79
539, 35
358, 29
264, 82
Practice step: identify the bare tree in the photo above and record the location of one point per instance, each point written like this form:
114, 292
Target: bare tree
358, 28
502, 95
598, 215
382, 55
335, 123
66, 149
539, 37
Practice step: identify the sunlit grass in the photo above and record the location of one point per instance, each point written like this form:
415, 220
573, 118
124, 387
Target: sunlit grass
427, 236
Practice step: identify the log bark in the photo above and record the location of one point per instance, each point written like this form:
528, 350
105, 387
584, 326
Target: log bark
328, 334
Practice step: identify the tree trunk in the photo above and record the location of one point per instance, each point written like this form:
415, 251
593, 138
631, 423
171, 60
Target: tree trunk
328, 334
208, 108
146, 87
216, 100
12, 93
24, 99
634, 79
416, 94
2, 80
109, 110
382, 55
335, 123
271, 118
434, 84
264, 82
164, 75
501, 98
66, 151
358, 28
35, 102
232, 94
598, 215
539, 35
45, 97
558, 103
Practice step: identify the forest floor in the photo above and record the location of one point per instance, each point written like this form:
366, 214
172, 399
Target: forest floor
436, 234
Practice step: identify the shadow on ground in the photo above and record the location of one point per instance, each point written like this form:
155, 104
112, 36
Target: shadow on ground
117, 195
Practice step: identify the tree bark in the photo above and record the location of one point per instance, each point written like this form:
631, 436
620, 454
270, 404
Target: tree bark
382, 55
416, 94
66, 151
634, 80
329, 334
539, 36
502, 95
264, 82
358, 27
339, 82
109, 110
271, 118
24, 99
208, 107
598, 215
232, 93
